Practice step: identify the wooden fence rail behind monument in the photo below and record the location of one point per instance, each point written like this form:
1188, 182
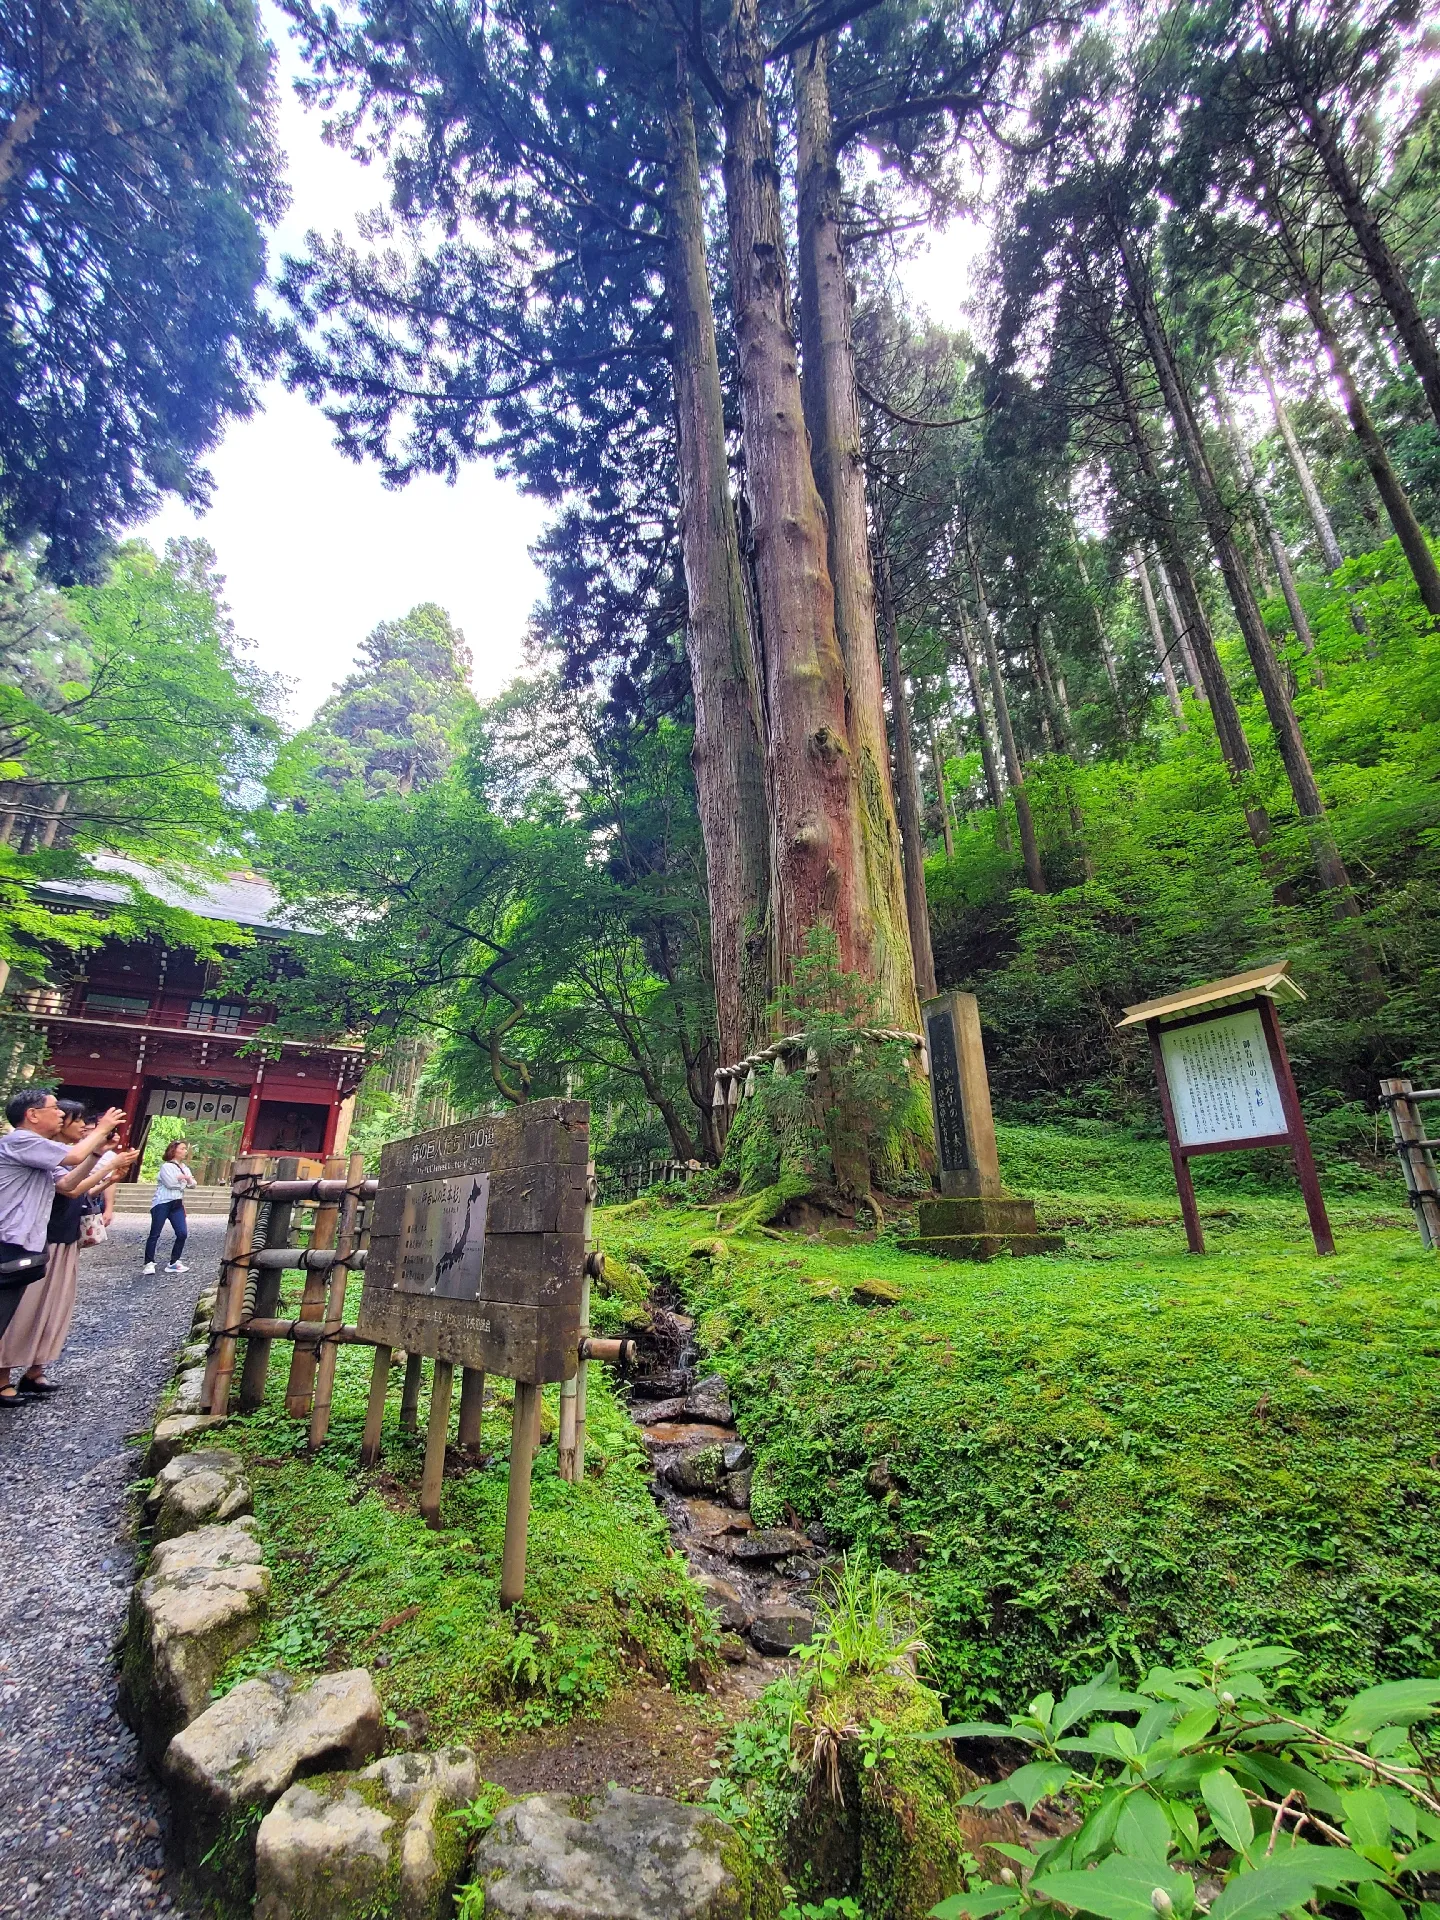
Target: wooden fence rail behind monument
1415, 1153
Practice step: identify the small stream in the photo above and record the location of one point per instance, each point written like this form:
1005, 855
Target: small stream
760, 1581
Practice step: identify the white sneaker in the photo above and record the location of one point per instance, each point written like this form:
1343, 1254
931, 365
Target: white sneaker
177, 1266
149, 1267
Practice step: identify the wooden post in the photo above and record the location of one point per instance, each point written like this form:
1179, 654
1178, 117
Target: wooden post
254, 1373
436, 1435
582, 1372
304, 1361
472, 1407
1417, 1163
234, 1273
375, 1408
1190, 1213
335, 1302
410, 1395
517, 1501
1295, 1122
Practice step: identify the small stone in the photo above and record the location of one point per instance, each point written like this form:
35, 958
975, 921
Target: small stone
188, 1388
172, 1433
723, 1600
671, 1385
879, 1478
331, 1849
767, 1543
698, 1469
203, 1598
733, 1649
737, 1489
200, 1489
247, 1747
875, 1293
637, 1857
736, 1456
780, 1630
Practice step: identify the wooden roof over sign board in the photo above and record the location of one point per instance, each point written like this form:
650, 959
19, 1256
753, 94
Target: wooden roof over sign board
1274, 981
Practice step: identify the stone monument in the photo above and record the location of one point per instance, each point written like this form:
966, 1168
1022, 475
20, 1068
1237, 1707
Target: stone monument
974, 1218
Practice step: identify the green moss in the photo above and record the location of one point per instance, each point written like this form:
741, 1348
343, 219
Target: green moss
1117, 1449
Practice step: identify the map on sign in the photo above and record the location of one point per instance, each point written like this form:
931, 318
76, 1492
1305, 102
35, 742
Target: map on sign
442, 1237
1222, 1081
477, 1242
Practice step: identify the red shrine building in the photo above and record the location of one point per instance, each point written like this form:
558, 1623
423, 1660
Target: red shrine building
145, 1026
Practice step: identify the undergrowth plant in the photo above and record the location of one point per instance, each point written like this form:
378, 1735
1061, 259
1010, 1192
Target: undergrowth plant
1210, 1797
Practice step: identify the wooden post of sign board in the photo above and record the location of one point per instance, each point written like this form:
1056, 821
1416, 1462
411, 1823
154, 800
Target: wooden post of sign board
234, 1274
436, 1434
1189, 1211
255, 1372
1299, 1137
523, 1424
304, 1357
410, 1395
472, 1408
345, 1244
571, 1440
375, 1408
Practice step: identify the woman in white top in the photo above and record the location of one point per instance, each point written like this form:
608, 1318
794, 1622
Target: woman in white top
168, 1204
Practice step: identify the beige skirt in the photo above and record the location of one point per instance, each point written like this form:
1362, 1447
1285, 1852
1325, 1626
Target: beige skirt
37, 1334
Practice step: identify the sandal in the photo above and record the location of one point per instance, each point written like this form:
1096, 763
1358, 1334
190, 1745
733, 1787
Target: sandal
9, 1397
27, 1385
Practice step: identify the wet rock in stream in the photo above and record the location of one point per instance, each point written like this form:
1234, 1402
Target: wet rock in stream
757, 1581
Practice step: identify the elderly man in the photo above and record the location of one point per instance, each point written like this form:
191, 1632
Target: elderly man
30, 1159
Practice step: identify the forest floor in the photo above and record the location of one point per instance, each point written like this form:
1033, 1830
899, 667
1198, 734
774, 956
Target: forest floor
1118, 1449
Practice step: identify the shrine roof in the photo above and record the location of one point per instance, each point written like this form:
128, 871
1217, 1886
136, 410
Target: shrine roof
243, 898
1274, 981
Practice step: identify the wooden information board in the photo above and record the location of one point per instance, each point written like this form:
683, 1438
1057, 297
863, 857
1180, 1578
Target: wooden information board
477, 1247
1225, 1082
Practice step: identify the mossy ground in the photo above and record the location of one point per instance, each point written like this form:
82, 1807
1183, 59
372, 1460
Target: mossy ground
1119, 1449
360, 1580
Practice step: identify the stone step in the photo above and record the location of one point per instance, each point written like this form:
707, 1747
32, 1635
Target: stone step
983, 1246
134, 1196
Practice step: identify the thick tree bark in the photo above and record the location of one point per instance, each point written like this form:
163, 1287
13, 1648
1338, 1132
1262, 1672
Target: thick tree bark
1014, 772
1266, 521
1157, 636
814, 787
989, 759
728, 758
1218, 524
832, 415
907, 782
1314, 505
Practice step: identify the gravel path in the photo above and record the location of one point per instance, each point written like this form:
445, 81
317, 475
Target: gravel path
79, 1816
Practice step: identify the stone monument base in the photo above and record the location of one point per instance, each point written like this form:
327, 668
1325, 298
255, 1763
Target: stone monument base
953, 1229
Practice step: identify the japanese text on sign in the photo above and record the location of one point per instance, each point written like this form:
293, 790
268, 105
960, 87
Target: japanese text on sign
945, 1092
1222, 1083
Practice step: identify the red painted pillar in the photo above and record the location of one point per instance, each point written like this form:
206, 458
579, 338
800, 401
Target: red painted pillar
332, 1124
252, 1112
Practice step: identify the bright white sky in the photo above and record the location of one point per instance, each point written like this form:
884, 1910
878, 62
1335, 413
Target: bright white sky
315, 550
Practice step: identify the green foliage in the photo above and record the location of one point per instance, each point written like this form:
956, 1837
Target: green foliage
831, 1110
140, 172
1117, 1449
1168, 906
134, 700
1211, 1776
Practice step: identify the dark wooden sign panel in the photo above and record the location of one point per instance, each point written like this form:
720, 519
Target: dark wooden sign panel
945, 1090
477, 1247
